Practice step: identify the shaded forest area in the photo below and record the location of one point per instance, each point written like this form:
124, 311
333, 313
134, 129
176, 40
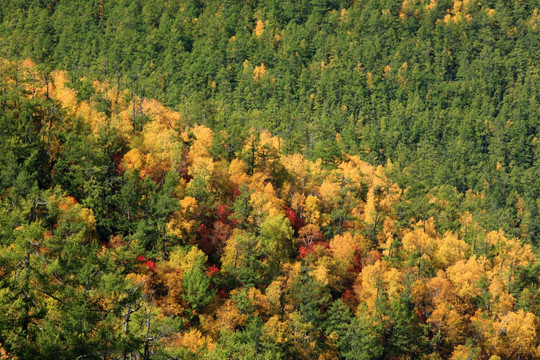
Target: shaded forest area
244, 180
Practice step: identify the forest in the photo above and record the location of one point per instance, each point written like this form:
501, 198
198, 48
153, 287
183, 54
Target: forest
229, 179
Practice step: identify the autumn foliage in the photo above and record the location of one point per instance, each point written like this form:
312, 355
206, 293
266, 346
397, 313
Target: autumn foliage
195, 255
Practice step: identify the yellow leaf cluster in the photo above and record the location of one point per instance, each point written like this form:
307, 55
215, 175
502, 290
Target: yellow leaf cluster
386, 235
503, 302
157, 151
418, 240
450, 322
171, 280
159, 142
185, 260
344, 246
259, 302
259, 28
450, 249
234, 252
266, 139
66, 96
464, 352
195, 342
87, 217
182, 223
465, 275
202, 167
277, 330
298, 203
313, 210
459, 11
329, 189
162, 114
237, 172
68, 99
259, 71
320, 273
265, 202
276, 292
512, 336
203, 140
133, 159
297, 166
535, 20
374, 278
352, 172
229, 317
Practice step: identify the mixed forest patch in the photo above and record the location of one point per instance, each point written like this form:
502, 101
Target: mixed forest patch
448, 90
127, 230
310, 179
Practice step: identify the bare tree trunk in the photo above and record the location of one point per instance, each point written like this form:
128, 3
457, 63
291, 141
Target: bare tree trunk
147, 339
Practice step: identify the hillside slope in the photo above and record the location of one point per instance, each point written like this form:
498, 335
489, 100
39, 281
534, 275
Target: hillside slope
125, 232
448, 90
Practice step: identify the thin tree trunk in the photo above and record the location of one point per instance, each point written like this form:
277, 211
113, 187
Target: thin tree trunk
147, 339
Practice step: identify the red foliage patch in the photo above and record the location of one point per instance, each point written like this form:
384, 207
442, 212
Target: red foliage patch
349, 298
421, 316
223, 293
204, 241
305, 250
296, 222
148, 263
118, 162
204, 231
212, 270
222, 212
151, 265
357, 262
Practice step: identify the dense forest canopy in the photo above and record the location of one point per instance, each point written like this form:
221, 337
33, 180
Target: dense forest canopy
274, 180
448, 90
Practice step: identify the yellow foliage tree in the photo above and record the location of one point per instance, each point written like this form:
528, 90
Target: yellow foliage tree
373, 279
313, 210
344, 246
265, 202
237, 172
418, 240
450, 249
194, 342
465, 352
182, 224
510, 255
160, 146
448, 313
465, 275
259, 28
512, 336
236, 250
203, 141
229, 317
